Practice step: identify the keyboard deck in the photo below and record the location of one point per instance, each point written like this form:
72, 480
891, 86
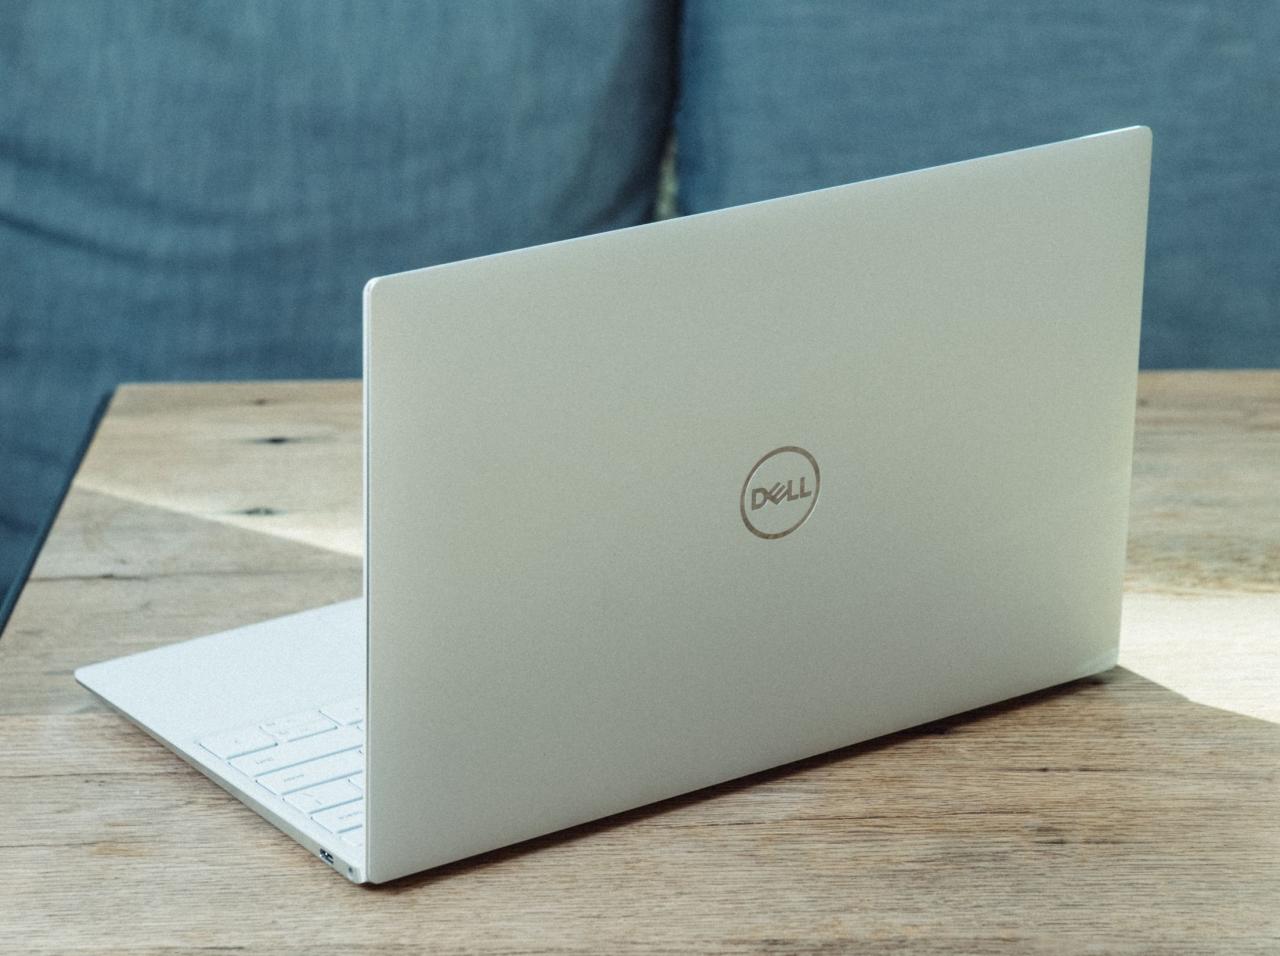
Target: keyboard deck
313, 760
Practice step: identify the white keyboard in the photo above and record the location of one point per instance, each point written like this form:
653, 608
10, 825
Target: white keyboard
313, 760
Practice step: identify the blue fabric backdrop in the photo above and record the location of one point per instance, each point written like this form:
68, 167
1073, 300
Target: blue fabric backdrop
200, 190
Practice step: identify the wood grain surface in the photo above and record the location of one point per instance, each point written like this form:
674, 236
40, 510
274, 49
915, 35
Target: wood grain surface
1136, 812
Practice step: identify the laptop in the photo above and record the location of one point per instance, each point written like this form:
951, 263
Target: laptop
662, 507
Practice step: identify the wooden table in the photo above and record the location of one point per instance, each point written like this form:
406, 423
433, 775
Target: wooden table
1135, 812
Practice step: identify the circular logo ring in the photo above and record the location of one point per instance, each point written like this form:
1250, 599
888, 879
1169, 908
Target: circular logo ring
742, 498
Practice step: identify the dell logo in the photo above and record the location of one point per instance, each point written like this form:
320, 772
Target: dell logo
780, 492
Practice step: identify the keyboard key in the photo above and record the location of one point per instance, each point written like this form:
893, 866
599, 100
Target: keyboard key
324, 796
236, 743
349, 711
354, 837
358, 779
346, 817
313, 773
297, 726
298, 751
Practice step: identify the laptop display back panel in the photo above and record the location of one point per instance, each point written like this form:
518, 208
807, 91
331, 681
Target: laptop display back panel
584, 590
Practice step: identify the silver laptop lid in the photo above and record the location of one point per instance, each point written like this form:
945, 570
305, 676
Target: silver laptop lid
661, 507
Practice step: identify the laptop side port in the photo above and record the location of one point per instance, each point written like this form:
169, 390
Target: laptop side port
326, 856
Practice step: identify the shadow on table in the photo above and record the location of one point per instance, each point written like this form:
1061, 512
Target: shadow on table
1143, 727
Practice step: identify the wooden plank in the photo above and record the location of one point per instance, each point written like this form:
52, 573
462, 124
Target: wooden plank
1111, 814
1205, 512
282, 458
1205, 520
1127, 814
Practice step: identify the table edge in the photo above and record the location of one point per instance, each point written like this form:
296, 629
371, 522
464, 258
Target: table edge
19, 583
